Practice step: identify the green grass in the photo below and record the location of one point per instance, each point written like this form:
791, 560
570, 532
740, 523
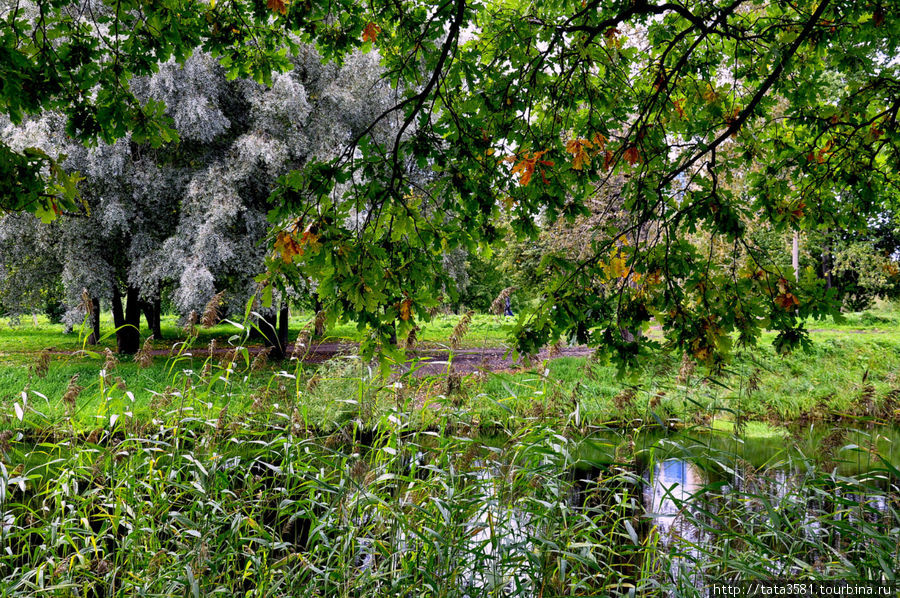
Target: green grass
18, 341
845, 374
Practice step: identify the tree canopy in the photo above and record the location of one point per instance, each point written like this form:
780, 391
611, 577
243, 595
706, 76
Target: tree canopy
674, 126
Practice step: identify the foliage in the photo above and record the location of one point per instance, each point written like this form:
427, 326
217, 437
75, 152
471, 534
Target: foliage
864, 274
190, 218
667, 104
531, 110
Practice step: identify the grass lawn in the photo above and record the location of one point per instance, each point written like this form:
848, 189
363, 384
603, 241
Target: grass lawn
852, 371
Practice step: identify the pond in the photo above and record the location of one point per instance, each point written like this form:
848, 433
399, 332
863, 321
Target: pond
401, 511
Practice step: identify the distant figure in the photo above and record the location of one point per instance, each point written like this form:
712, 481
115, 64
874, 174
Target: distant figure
508, 310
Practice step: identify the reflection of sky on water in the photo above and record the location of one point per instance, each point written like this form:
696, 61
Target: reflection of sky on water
672, 483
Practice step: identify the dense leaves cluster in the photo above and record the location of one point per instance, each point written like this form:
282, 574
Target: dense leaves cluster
675, 127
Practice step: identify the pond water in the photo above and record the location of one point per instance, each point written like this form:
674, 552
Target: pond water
683, 510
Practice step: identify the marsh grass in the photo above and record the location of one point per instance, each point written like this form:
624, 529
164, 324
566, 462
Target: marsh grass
229, 483
220, 492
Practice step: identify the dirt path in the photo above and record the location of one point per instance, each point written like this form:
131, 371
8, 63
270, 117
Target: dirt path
431, 360
427, 361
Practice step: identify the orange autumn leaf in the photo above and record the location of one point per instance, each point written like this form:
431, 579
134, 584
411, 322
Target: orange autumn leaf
277, 6
526, 166
632, 155
405, 309
578, 148
786, 301
287, 246
732, 118
370, 33
608, 158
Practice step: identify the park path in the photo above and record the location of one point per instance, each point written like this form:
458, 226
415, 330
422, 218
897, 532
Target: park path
432, 360
425, 361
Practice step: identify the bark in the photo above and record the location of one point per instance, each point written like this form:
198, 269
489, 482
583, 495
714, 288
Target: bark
151, 311
272, 329
393, 338
266, 329
280, 351
157, 320
94, 338
128, 336
319, 324
118, 317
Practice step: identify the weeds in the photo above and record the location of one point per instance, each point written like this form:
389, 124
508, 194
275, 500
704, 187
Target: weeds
229, 487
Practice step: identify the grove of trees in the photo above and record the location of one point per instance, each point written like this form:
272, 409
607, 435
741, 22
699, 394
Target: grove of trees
665, 155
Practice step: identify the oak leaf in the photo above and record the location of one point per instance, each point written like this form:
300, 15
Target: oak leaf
287, 246
277, 6
608, 159
785, 299
526, 166
632, 155
370, 33
405, 309
578, 148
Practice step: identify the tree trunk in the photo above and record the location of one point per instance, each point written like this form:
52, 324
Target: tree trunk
118, 317
826, 265
795, 255
94, 338
393, 338
281, 349
272, 329
266, 329
157, 317
319, 323
151, 314
128, 335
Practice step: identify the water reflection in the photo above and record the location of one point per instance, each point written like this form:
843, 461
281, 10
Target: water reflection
689, 506
670, 485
